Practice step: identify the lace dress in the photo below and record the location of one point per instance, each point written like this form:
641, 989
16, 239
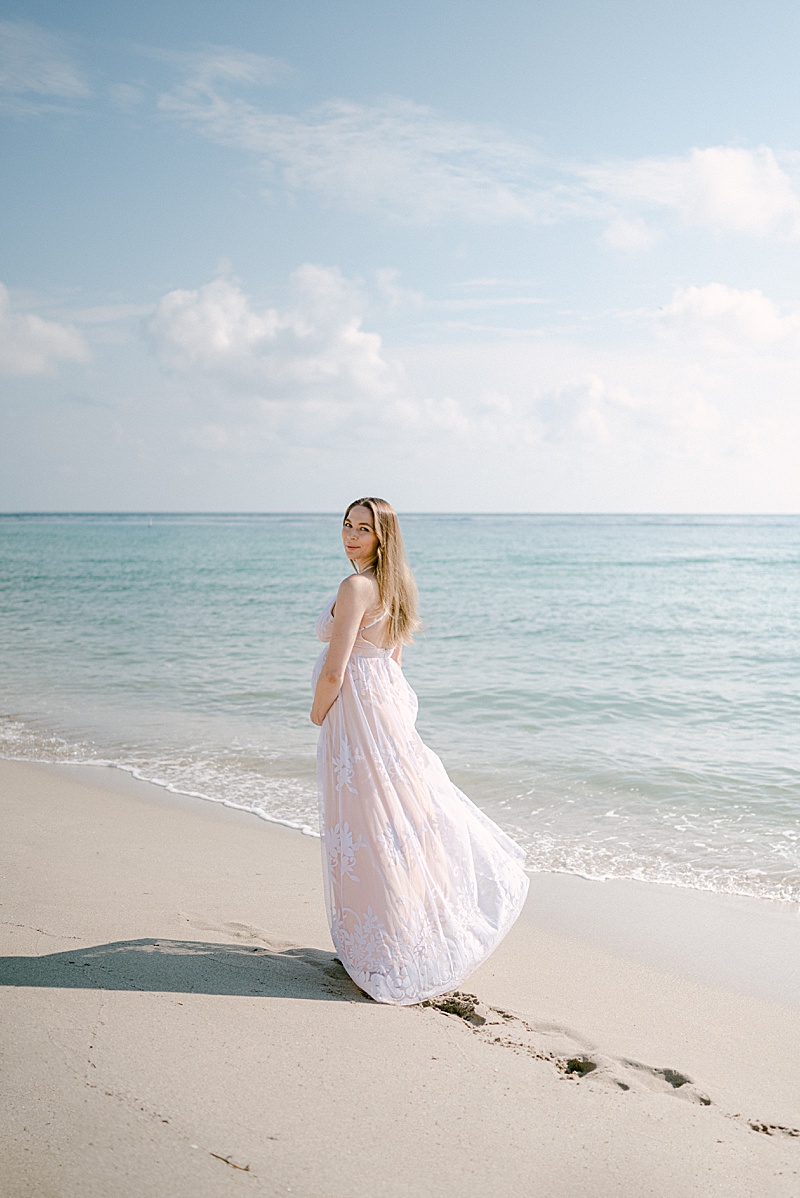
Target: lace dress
420, 885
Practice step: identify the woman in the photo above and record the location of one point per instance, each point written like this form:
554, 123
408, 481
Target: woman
420, 885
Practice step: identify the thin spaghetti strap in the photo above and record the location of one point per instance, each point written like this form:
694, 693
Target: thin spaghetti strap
372, 623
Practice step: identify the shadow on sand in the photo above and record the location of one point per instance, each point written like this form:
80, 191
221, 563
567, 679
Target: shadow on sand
188, 967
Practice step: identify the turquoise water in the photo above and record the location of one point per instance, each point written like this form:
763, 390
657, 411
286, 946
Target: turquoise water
620, 692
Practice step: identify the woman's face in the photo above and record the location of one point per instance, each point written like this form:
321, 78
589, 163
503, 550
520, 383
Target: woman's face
358, 536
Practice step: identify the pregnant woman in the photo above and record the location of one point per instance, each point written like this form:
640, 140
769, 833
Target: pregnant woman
420, 885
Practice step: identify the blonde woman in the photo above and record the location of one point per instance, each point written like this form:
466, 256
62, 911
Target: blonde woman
420, 885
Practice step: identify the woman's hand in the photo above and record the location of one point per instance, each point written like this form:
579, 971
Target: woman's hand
325, 695
318, 717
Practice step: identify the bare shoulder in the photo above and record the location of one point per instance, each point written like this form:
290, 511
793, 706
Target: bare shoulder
358, 584
357, 590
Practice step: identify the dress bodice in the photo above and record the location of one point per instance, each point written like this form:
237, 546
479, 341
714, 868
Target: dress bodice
362, 647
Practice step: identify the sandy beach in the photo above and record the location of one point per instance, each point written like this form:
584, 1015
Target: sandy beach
174, 1023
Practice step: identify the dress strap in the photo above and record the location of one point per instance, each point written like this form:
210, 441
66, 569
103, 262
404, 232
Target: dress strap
372, 623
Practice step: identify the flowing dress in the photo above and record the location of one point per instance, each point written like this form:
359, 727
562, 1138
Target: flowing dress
420, 885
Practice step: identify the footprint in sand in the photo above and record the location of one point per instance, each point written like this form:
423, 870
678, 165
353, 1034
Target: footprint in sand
577, 1061
667, 1081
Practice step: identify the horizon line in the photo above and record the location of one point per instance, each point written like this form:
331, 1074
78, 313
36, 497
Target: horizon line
335, 512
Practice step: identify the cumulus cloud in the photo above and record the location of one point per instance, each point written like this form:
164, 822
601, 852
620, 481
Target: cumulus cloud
743, 190
312, 351
30, 345
722, 188
668, 417
584, 412
700, 396
36, 73
728, 317
703, 375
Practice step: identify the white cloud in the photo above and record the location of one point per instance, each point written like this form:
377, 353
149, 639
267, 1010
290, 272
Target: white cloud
223, 64
314, 351
36, 74
582, 412
633, 235
30, 345
746, 191
728, 317
696, 409
704, 379
408, 163
394, 294
226, 64
690, 407
398, 157
721, 188
204, 73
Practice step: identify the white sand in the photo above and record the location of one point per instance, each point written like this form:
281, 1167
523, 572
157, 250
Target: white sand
171, 1009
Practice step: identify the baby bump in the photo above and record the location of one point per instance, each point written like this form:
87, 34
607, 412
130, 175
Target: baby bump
318, 667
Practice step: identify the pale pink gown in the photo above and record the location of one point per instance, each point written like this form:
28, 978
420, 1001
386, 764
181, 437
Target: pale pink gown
420, 885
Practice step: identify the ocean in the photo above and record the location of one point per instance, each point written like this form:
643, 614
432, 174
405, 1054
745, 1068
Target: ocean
621, 693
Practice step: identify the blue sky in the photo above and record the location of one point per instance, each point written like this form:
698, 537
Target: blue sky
471, 256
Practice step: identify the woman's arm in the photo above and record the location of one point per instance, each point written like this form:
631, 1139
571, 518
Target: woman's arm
397, 654
354, 596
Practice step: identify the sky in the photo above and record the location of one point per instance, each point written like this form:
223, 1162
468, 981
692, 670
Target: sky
512, 256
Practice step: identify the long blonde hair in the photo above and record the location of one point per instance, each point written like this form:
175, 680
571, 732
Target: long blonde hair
396, 585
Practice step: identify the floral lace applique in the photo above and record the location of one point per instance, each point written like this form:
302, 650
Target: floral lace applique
365, 942
363, 678
344, 765
342, 849
402, 965
397, 754
393, 845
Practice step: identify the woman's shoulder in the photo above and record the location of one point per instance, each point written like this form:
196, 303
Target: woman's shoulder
358, 591
358, 585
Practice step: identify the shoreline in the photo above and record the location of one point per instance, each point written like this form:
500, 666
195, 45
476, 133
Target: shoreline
747, 944
173, 1013
114, 773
